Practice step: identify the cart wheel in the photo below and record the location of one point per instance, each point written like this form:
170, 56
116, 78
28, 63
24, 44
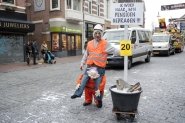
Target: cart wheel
118, 116
132, 116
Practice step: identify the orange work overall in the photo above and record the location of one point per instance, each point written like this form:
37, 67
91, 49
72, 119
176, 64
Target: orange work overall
90, 89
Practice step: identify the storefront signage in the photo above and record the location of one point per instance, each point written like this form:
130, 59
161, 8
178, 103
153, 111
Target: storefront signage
65, 29
173, 7
16, 26
73, 30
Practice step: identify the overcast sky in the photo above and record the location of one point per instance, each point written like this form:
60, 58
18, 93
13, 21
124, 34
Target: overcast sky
154, 6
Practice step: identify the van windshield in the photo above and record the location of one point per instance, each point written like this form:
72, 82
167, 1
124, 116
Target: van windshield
114, 35
160, 38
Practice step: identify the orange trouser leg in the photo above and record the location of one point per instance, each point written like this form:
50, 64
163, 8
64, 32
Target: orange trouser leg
88, 95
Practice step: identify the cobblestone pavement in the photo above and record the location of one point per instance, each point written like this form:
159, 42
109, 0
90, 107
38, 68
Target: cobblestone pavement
9, 67
41, 94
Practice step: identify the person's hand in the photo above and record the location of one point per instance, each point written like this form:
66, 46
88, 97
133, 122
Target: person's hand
77, 86
81, 67
97, 93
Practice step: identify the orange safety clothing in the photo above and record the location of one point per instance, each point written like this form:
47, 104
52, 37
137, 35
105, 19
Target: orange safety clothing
97, 55
90, 88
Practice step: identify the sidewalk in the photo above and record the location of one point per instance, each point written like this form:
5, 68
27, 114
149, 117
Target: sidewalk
9, 67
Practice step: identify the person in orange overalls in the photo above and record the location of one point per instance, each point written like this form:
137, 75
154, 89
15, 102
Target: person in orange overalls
94, 61
90, 91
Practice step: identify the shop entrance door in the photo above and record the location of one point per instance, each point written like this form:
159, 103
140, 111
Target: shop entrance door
71, 49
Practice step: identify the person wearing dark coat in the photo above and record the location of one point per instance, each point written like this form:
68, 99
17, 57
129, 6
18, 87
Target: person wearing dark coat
34, 51
28, 49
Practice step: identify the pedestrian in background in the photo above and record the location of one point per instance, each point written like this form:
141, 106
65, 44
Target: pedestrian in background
28, 48
34, 51
44, 49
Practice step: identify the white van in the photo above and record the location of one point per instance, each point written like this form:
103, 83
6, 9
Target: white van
162, 44
141, 45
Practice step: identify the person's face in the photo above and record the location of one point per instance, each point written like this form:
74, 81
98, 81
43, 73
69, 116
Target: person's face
97, 35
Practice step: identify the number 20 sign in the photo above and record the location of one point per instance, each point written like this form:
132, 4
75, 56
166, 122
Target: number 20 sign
125, 48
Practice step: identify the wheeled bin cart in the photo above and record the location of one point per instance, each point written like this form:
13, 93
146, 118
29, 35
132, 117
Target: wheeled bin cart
125, 104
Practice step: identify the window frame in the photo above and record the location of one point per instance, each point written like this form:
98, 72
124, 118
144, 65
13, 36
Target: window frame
53, 9
78, 5
69, 4
90, 7
9, 2
98, 9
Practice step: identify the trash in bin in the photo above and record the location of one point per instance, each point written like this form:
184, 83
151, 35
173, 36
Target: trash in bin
122, 85
125, 98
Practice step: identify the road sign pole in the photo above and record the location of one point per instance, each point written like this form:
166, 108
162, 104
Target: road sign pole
125, 57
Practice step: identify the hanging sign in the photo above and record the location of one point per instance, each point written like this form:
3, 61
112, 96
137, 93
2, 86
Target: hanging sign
127, 13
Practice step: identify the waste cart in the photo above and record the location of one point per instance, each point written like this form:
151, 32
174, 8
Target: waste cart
125, 103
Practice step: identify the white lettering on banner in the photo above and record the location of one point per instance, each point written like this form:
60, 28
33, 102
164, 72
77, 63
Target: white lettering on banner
127, 13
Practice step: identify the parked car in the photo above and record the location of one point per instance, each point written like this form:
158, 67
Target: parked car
163, 44
141, 45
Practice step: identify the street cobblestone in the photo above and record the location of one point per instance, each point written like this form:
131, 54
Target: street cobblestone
41, 94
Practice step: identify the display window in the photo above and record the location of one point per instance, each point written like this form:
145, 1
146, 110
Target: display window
64, 42
78, 42
55, 42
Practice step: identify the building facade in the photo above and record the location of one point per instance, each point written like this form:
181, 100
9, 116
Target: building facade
64, 24
14, 27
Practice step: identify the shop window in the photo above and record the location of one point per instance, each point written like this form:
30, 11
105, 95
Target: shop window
78, 42
64, 42
9, 1
54, 4
55, 42
70, 42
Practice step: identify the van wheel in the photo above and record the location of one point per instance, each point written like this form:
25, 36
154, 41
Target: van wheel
148, 57
173, 52
168, 53
129, 63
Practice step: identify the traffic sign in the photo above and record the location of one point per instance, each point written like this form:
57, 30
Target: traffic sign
127, 13
125, 48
